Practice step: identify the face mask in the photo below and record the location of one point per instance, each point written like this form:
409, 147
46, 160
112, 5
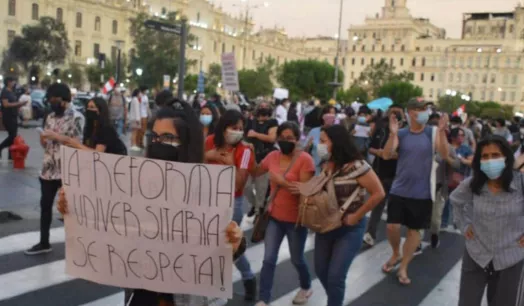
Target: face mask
322, 151
263, 112
234, 137
162, 151
522, 131
493, 167
362, 120
91, 115
422, 117
455, 126
286, 147
58, 109
206, 119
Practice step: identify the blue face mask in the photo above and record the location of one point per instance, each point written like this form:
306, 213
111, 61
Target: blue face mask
423, 117
493, 167
206, 119
362, 120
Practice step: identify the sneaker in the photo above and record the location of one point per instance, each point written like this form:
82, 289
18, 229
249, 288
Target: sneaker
38, 249
368, 239
250, 289
251, 213
302, 296
418, 251
261, 304
136, 149
435, 242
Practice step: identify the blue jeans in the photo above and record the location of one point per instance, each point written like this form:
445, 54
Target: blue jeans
119, 126
296, 237
446, 214
241, 263
334, 252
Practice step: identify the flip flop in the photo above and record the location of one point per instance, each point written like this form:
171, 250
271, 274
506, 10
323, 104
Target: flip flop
388, 267
404, 280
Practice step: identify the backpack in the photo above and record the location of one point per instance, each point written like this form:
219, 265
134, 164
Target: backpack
318, 207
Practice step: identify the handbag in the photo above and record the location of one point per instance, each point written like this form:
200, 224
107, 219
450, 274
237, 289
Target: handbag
262, 220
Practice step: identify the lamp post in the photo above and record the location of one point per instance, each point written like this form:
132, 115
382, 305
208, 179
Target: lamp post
247, 8
336, 84
119, 44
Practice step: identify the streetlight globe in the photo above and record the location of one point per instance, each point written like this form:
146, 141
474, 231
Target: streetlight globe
1, 77
139, 71
69, 75
33, 78
59, 81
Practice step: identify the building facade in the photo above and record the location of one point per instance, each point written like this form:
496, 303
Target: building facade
484, 64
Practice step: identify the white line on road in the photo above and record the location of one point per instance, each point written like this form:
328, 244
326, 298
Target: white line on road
23, 241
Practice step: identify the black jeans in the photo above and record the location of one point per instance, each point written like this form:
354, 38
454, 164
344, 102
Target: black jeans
49, 188
11, 126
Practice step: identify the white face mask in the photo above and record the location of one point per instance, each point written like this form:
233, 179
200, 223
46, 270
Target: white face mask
322, 152
234, 137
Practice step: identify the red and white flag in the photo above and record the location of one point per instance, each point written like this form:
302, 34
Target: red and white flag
109, 86
461, 110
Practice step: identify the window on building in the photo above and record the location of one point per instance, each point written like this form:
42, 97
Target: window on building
223, 48
344, 61
481, 30
352, 74
402, 48
470, 62
491, 95
363, 48
468, 30
417, 49
441, 77
353, 61
505, 79
373, 48
414, 62
215, 46
422, 77
432, 78
484, 78
511, 28
96, 50
493, 78
97, 24
495, 62
515, 79
114, 53
461, 62
354, 48
423, 61
10, 36
244, 54
512, 96
402, 62
383, 48
479, 61
508, 62
483, 96
439, 92
494, 29
363, 61
503, 96
374, 35
392, 47
468, 77
459, 77
78, 48
11, 8
59, 15
431, 91
372, 61
391, 62
261, 55
476, 78
115, 27
34, 11
450, 78
254, 55
198, 17
453, 61
79, 20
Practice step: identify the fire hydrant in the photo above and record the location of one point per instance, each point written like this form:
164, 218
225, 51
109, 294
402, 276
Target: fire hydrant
19, 150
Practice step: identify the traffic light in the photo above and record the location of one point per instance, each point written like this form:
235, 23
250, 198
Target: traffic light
33, 76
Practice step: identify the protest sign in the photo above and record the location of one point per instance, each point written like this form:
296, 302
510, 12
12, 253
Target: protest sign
143, 223
229, 72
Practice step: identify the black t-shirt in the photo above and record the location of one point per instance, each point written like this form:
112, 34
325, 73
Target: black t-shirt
385, 169
262, 149
10, 112
109, 138
314, 118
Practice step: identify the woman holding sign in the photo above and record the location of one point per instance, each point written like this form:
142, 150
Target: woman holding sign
174, 126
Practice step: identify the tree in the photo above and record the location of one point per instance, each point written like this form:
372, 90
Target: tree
73, 75
191, 83
255, 83
399, 91
213, 77
308, 78
354, 93
40, 44
156, 53
376, 75
94, 72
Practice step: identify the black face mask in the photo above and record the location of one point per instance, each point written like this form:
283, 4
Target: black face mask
286, 147
162, 151
264, 112
91, 115
58, 109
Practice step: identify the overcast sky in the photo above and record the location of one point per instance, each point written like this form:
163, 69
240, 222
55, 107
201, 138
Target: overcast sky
320, 17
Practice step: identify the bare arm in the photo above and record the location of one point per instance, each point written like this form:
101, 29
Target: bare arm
442, 139
6, 104
391, 147
371, 183
271, 136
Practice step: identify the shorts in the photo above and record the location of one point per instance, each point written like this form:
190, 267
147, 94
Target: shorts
415, 214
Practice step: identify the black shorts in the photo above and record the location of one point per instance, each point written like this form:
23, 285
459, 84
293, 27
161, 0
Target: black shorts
413, 213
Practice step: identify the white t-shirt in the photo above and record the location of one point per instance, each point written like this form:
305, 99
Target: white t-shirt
281, 114
362, 131
144, 106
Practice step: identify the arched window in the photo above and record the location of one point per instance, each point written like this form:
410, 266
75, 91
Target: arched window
383, 48
414, 62
78, 20
423, 61
115, 27
59, 15
34, 11
402, 48
11, 8
97, 24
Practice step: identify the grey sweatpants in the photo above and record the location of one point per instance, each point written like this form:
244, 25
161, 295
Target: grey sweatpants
502, 286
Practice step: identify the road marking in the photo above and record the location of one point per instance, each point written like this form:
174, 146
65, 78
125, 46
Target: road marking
23, 241
112, 300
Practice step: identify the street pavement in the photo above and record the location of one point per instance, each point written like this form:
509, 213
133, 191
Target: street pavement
41, 280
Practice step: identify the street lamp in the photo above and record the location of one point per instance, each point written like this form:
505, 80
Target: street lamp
336, 84
139, 71
119, 44
69, 76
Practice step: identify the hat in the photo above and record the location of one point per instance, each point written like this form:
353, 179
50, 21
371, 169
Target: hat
417, 102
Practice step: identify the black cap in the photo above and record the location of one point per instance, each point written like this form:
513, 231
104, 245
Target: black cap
416, 103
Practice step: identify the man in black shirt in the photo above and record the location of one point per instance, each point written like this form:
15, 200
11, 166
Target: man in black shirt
10, 106
262, 134
385, 169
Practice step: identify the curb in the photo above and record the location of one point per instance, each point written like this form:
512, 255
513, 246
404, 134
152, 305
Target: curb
6, 216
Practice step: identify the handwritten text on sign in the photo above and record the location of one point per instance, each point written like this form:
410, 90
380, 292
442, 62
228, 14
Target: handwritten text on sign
229, 72
142, 223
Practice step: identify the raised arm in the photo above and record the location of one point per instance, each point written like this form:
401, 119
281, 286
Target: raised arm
391, 147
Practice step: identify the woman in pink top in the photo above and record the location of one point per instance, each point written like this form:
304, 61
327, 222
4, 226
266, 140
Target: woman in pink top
284, 211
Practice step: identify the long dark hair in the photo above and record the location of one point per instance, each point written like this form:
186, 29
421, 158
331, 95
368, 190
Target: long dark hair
229, 118
479, 178
103, 124
189, 130
344, 149
214, 113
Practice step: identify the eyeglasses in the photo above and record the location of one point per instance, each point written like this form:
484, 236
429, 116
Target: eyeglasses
167, 138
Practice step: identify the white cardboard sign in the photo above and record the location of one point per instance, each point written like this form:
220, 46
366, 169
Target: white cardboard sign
148, 224
281, 93
229, 72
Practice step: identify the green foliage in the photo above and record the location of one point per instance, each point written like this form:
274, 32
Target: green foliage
308, 78
399, 91
213, 77
40, 44
156, 53
93, 72
354, 93
190, 83
255, 83
489, 109
77, 76
375, 76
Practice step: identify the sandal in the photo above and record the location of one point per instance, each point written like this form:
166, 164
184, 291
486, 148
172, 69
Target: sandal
388, 266
403, 280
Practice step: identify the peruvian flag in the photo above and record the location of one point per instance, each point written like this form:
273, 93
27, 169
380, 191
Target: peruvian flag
461, 110
109, 86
